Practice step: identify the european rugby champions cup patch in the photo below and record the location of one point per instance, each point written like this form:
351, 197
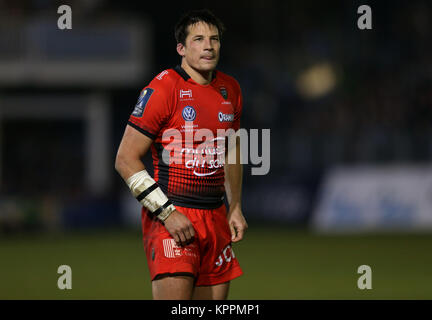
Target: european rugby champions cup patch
142, 101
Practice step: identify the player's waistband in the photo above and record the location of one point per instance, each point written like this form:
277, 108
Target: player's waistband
196, 203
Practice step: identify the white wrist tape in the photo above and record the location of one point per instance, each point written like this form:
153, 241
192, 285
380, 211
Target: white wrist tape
148, 193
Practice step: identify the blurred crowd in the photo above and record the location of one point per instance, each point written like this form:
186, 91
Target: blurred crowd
330, 93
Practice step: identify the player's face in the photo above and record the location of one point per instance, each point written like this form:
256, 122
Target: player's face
202, 46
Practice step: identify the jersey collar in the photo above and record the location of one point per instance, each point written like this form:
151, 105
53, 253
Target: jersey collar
184, 74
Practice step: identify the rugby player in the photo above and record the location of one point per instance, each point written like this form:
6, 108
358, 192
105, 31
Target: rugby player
187, 229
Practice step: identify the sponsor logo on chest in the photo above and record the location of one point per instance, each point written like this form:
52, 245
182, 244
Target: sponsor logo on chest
189, 113
185, 94
224, 117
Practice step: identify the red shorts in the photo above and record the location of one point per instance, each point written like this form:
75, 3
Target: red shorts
209, 258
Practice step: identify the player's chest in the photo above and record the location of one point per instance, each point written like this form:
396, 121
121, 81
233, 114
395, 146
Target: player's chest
203, 108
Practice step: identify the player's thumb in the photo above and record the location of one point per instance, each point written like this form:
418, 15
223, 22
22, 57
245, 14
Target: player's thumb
233, 231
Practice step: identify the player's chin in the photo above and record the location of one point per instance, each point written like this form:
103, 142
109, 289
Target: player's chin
208, 65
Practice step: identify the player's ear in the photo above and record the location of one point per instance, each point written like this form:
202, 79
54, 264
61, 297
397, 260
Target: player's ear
181, 49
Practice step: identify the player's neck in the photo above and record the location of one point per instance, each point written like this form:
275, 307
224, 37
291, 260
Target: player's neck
202, 78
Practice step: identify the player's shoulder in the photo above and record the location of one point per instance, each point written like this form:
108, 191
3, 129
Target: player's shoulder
226, 78
166, 78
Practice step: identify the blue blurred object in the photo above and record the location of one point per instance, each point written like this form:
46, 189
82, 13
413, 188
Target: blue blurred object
91, 213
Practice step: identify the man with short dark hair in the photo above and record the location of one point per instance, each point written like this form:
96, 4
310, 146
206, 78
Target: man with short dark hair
187, 231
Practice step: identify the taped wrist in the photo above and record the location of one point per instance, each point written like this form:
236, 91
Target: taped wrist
148, 193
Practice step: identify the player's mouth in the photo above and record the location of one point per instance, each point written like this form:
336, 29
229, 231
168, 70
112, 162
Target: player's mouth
208, 58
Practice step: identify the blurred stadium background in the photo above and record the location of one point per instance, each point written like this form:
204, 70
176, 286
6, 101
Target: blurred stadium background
351, 142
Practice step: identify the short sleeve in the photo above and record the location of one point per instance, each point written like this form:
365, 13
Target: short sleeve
152, 110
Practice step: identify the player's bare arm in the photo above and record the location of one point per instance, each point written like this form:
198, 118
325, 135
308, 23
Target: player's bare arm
133, 146
233, 187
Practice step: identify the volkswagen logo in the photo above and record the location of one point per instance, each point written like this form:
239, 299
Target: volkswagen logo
189, 113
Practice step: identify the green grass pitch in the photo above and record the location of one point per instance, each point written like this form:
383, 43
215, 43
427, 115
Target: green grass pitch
278, 263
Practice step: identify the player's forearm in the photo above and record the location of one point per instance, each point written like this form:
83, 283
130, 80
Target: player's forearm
233, 176
133, 146
233, 184
127, 166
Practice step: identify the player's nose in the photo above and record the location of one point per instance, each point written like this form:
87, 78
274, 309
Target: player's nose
208, 45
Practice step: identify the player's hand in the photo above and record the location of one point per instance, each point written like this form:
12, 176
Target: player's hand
237, 223
180, 228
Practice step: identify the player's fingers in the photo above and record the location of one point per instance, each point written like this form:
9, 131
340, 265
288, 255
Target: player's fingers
188, 236
192, 231
176, 238
182, 238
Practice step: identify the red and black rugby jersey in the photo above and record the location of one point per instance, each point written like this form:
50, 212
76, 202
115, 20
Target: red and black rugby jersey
183, 118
